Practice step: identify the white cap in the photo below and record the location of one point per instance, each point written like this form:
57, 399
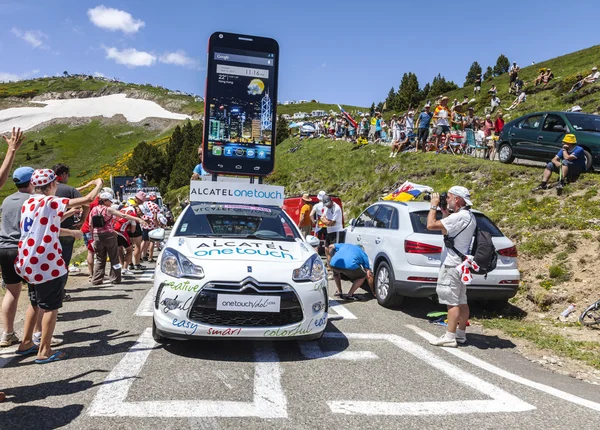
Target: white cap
321, 195
576, 109
105, 196
461, 192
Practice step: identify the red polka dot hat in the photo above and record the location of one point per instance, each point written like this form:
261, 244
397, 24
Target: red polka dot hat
42, 177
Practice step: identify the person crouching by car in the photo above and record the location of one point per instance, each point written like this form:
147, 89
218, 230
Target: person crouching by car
351, 262
457, 224
39, 260
570, 159
105, 238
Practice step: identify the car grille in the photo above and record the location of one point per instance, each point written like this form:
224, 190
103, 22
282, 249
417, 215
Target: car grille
204, 309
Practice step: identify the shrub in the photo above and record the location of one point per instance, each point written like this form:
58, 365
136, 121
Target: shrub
547, 284
538, 246
559, 272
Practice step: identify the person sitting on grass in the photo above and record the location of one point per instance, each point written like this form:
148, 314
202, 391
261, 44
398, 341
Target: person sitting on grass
571, 159
351, 262
400, 144
520, 99
589, 79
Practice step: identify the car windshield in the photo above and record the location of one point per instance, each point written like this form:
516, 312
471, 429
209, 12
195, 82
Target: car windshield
582, 122
236, 221
419, 223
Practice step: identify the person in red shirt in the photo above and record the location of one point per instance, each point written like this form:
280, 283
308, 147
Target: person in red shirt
39, 260
499, 124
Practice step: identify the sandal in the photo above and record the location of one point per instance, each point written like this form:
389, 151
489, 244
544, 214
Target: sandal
57, 356
351, 298
337, 294
151, 260
29, 351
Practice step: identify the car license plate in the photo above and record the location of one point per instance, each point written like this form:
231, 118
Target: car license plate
240, 303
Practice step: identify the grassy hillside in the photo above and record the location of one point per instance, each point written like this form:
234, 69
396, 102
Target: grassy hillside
27, 89
95, 149
309, 107
553, 97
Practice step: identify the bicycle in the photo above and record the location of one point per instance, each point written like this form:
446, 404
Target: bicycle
591, 316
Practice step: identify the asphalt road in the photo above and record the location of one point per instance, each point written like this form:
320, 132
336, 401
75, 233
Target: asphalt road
373, 369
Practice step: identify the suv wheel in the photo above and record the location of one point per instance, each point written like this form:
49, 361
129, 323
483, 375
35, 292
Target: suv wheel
505, 153
588, 161
384, 287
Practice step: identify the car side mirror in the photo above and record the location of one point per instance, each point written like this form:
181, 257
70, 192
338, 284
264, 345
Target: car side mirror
559, 128
312, 241
352, 222
157, 235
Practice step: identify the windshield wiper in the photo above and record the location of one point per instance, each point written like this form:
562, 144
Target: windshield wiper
204, 235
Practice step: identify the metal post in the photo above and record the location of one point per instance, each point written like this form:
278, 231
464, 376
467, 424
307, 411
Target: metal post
214, 177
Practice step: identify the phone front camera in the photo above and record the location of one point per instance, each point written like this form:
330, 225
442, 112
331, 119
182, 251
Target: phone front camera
220, 36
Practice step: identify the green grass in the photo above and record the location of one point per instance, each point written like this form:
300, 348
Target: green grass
503, 192
310, 106
565, 69
542, 337
86, 149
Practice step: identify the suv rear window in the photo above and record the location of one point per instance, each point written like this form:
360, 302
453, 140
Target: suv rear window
419, 223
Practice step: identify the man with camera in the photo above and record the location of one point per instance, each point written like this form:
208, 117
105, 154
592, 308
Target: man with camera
458, 227
569, 162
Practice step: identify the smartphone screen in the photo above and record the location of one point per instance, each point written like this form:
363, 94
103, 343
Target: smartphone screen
240, 105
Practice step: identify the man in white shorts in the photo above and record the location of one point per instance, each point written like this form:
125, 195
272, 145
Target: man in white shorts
457, 224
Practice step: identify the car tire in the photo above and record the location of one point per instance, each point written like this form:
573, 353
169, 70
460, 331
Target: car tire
387, 296
155, 334
588, 160
505, 153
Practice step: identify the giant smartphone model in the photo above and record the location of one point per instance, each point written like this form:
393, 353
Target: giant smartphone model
240, 105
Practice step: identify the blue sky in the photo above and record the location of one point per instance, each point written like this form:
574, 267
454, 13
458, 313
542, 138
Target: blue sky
349, 52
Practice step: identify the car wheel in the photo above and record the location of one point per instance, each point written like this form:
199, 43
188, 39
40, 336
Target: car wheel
588, 160
384, 287
155, 334
505, 153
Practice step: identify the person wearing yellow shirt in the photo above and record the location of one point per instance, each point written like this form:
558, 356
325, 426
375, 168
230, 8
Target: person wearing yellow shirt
305, 222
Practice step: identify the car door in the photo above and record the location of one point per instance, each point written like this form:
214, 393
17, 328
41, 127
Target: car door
549, 140
524, 136
385, 220
363, 231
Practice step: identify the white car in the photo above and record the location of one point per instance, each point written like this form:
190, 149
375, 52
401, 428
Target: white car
238, 271
406, 257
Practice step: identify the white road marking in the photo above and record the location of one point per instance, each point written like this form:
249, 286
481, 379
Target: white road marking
146, 306
341, 310
312, 351
269, 399
510, 376
7, 354
501, 400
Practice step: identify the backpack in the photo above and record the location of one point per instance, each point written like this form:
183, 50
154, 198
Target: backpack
98, 220
483, 250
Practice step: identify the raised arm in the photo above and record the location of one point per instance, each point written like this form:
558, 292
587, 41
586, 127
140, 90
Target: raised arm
86, 200
14, 143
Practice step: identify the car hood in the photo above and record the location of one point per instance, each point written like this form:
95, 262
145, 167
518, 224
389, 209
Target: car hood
213, 249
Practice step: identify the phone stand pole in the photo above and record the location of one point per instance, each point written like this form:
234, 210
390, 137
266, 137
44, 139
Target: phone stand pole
214, 177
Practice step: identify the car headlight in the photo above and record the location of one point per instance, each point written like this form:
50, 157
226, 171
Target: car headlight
312, 270
175, 264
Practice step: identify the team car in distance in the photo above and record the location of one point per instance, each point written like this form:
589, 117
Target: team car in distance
238, 271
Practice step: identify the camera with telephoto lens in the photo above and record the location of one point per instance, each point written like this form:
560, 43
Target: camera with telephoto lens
443, 199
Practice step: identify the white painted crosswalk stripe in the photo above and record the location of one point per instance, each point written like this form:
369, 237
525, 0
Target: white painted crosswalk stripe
341, 310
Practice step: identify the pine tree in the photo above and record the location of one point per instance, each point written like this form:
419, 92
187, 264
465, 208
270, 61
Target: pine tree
35, 146
187, 158
489, 72
372, 109
474, 71
409, 94
391, 99
441, 86
173, 148
426, 91
502, 65
42, 142
379, 107
282, 130
148, 159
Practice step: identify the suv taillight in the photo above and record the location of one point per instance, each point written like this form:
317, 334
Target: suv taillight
508, 252
412, 247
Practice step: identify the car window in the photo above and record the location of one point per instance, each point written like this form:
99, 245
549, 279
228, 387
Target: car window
551, 121
366, 218
419, 223
384, 216
583, 122
236, 221
531, 122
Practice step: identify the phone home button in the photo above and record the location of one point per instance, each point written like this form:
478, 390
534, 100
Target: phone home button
238, 167
256, 167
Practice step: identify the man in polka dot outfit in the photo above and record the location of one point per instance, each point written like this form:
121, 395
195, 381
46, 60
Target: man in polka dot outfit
150, 211
39, 260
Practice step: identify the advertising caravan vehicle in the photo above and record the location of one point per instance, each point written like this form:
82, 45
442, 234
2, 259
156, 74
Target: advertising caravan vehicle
236, 266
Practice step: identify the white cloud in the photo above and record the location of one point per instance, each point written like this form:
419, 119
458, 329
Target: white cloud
130, 57
99, 75
34, 37
178, 58
5, 77
114, 19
